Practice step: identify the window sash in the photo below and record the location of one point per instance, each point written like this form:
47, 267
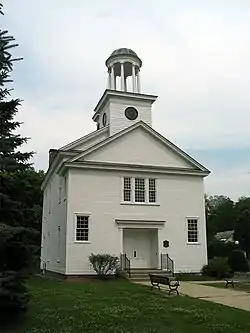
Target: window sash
127, 189
151, 190
193, 234
140, 190
82, 228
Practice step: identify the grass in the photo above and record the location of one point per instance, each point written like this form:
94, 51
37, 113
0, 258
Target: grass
243, 286
121, 306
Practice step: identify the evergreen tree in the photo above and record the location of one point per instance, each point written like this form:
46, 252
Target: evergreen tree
13, 249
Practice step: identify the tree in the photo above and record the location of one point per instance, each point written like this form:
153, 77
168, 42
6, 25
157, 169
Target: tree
14, 253
242, 227
220, 214
25, 188
238, 261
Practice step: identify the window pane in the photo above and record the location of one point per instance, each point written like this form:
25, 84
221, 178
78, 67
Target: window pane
127, 183
140, 184
139, 196
127, 195
151, 184
152, 196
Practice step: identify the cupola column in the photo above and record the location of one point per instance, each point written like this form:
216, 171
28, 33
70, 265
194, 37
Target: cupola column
138, 82
122, 77
113, 85
109, 79
133, 78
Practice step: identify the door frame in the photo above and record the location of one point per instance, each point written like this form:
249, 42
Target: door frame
150, 245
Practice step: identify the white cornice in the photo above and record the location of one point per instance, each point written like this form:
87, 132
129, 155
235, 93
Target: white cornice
123, 223
134, 168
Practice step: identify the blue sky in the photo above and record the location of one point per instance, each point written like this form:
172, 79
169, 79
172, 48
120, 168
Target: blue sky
195, 58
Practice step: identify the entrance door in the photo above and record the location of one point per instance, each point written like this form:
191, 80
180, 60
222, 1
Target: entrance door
137, 247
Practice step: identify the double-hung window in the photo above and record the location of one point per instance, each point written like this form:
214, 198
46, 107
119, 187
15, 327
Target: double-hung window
139, 190
151, 190
192, 229
127, 189
82, 228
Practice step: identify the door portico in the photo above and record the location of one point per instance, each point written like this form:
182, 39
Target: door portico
140, 242
141, 247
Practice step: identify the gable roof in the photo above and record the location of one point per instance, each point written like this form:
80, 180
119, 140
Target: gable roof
74, 144
152, 132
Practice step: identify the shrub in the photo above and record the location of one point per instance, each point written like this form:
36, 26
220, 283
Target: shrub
216, 248
119, 273
104, 264
217, 268
238, 261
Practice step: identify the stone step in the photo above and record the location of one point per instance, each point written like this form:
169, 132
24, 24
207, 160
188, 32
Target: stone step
145, 270
150, 271
139, 278
139, 274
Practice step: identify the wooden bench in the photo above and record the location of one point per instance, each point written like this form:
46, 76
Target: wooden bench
171, 282
237, 277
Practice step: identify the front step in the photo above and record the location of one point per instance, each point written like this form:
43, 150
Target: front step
142, 274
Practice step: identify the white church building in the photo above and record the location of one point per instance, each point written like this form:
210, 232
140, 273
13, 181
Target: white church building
123, 189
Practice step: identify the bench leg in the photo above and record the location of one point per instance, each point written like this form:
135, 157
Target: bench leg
173, 289
153, 284
229, 282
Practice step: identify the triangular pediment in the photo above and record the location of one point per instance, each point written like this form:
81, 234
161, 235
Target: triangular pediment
139, 145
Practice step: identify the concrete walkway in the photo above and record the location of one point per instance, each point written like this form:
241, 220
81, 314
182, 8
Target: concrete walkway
229, 297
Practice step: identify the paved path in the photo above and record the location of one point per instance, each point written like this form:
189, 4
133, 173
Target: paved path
230, 297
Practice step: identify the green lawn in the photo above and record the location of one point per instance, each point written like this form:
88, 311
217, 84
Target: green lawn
121, 306
244, 286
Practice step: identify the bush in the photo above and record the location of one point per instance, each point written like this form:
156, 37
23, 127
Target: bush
238, 261
104, 264
216, 248
217, 268
13, 296
119, 273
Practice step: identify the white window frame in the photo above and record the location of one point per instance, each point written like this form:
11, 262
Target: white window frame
132, 201
198, 229
75, 228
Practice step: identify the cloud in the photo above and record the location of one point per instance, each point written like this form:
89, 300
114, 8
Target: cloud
234, 183
195, 57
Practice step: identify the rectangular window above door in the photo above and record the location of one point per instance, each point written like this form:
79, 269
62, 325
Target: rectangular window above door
139, 190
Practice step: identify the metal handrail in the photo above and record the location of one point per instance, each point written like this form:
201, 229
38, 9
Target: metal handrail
167, 263
125, 264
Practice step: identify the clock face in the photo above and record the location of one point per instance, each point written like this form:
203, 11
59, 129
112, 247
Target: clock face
131, 113
104, 119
